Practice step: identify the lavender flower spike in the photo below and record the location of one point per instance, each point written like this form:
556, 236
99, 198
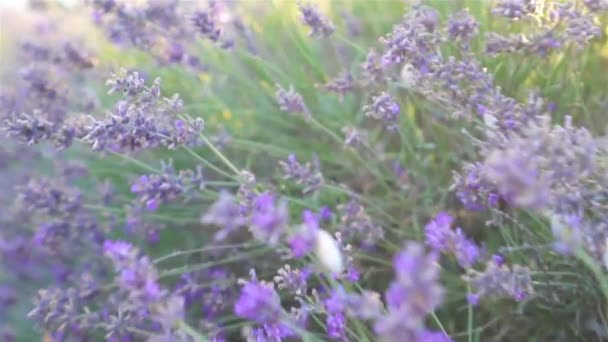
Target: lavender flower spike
291, 102
319, 25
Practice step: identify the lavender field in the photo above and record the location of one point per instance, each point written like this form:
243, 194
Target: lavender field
323, 170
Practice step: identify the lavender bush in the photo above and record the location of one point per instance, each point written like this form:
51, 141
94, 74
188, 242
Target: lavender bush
305, 171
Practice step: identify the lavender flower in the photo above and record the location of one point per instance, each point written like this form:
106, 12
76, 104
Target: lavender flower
341, 85
154, 189
143, 119
137, 275
353, 136
414, 40
259, 302
226, 214
307, 175
596, 5
581, 29
413, 294
48, 197
536, 163
357, 225
291, 102
516, 9
336, 326
268, 219
438, 231
139, 25
206, 25
304, 239
500, 280
462, 26
385, 109
319, 25
372, 68
367, 305
497, 44
294, 280
30, 129
55, 308
442, 238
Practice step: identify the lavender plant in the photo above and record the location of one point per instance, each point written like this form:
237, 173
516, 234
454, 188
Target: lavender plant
464, 142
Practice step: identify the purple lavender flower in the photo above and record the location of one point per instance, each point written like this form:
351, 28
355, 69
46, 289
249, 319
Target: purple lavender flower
139, 25
319, 25
533, 165
517, 178
294, 280
473, 191
76, 57
336, 326
438, 232
543, 43
497, 44
581, 29
515, 9
413, 294
48, 197
385, 109
31, 129
367, 305
357, 225
175, 53
307, 175
259, 302
462, 26
56, 308
372, 68
341, 85
154, 189
143, 119
137, 275
413, 40
596, 5
466, 251
269, 218
291, 102
226, 214
498, 281
303, 240
353, 136
206, 25
442, 238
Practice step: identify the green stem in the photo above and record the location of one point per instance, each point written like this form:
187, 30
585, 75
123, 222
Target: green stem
208, 163
183, 326
597, 271
439, 323
197, 267
198, 250
220, 155
470, 317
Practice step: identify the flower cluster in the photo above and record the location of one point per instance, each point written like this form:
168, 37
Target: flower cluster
291, 102
413, 294
319, 25
499, 280
440, 236
154, 189
307, 175
125, 250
